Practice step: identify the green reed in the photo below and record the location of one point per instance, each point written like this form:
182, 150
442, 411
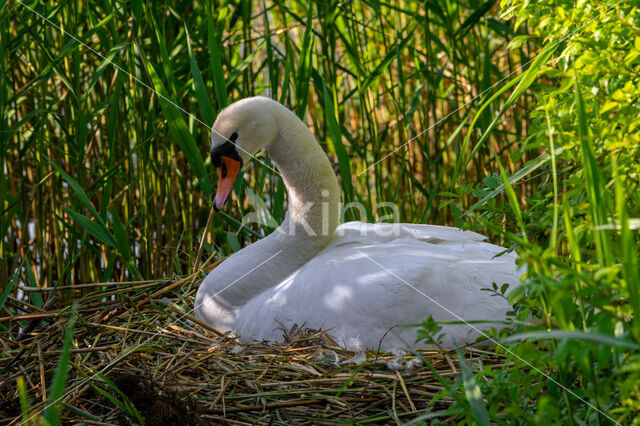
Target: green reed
366, 76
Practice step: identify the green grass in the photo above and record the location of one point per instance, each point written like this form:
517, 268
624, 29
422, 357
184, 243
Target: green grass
526, 133
141, 161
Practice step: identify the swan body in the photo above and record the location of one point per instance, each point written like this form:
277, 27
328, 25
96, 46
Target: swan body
360, 283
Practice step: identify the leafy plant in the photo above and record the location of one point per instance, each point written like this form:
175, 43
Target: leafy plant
574, 231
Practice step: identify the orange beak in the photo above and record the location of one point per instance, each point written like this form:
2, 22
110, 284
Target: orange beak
227, 174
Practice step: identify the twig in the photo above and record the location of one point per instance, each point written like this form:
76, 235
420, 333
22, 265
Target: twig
196, 263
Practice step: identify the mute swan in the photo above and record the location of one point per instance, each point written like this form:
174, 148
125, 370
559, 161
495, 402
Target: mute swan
356, 281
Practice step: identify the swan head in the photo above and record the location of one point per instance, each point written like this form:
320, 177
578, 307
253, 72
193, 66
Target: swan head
241, 129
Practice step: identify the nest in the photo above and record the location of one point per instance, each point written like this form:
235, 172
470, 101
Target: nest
136, 344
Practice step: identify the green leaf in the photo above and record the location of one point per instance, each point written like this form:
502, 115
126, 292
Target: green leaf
80, 194
215, 56
336, 138
25, 406
593, 183
473, 392
119, 235
81, 412
261, 214
629, 249
609, 105
513, 200
233, 242
586, 336
165, 61
180, 131
384, 63
304, 65
518, 41
524, 81
473, 19
56, 390
101, 233
526, 170
206, 108
416, 100
239, 69
126, 406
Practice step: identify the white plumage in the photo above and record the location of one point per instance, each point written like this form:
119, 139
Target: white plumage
359, 282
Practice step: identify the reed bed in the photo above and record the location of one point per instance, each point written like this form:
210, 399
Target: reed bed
94, 111
138, 346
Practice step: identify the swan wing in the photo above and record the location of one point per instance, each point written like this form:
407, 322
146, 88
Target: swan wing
370, 279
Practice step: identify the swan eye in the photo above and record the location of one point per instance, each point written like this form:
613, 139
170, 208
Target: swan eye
233, 136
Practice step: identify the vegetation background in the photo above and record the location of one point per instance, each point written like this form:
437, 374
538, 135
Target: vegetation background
517, 119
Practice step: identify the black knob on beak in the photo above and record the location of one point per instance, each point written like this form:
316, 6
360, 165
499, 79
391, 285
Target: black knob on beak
227, 149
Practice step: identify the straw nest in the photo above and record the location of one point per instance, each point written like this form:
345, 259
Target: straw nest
136, 344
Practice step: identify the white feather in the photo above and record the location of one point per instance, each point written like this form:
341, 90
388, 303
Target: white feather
361, 283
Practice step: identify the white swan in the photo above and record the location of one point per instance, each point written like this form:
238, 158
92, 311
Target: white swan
356, 281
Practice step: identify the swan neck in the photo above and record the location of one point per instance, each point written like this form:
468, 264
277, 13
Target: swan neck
309, 226
312, 187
